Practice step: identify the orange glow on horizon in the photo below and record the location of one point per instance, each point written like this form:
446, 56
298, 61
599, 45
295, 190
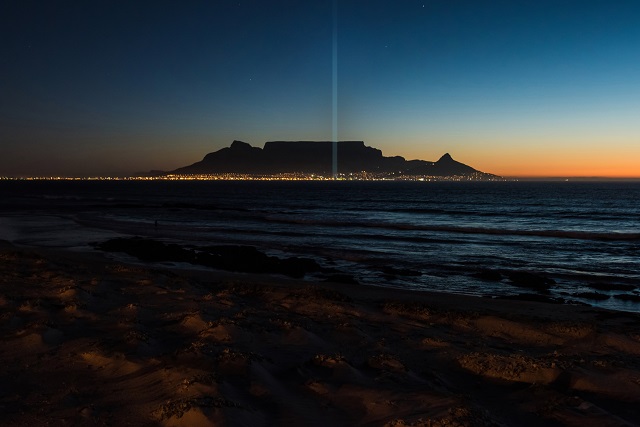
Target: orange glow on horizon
569, 174
561, 167
541, 170
538, 160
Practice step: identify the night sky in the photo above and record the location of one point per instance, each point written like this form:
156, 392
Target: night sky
516, 88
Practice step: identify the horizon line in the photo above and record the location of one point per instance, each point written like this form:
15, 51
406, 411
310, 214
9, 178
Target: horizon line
52, 177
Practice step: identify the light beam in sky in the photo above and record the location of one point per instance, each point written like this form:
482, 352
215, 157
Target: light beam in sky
334, 121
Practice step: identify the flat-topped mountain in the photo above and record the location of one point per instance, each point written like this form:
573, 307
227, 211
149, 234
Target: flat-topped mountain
316, 157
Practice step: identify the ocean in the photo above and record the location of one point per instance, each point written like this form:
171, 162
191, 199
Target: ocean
457, 237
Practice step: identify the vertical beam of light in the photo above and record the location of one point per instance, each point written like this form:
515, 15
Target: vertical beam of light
334, 133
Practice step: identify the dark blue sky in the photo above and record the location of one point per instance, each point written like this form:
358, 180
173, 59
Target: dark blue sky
511, 87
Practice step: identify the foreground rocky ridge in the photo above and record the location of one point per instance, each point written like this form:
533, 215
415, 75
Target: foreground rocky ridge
236, 258
316, 157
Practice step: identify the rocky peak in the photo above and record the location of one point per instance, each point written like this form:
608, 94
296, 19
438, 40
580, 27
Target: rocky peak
446, 158
240, 145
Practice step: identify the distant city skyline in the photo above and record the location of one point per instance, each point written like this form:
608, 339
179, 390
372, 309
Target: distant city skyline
513, 88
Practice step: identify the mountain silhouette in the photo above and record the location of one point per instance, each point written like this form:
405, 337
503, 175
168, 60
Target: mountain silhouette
315, 157
443, 167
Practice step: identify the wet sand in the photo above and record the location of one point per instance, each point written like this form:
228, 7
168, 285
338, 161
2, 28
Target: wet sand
86, 340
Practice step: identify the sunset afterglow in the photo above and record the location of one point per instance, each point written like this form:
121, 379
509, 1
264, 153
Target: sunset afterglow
542, 88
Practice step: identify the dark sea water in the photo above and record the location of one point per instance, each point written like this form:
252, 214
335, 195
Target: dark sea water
583, 235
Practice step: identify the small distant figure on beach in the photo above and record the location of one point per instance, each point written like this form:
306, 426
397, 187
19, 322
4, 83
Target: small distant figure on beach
156, 224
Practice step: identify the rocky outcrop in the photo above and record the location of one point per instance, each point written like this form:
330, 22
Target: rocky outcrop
245, 259
524, 279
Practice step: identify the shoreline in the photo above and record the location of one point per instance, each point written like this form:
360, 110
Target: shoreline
466, 239
89, 340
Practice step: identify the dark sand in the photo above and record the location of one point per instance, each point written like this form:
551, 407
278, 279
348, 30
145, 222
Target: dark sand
90, 341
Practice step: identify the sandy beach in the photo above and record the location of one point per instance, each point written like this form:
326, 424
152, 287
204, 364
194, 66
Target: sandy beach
87, 340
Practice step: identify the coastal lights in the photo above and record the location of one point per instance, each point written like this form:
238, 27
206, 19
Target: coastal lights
354, 176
